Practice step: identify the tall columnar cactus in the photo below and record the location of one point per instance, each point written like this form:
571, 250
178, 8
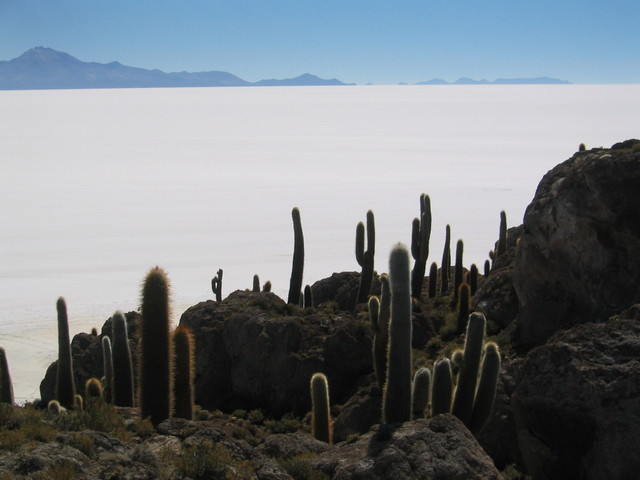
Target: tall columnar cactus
420, 236
107, 361
467, 378
65, 382
295, 284
256, 283
502, 238
487, 268
123, 393
184, 372
458, 274
320, 416
464, 306
473, 278
486, 392
364, 257
421, 392
442, 387
381, 338
216, 285
397, 392
308, 297
433, 280
6, 387
155, 353
446, 262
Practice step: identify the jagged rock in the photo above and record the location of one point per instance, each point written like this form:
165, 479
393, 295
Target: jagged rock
577, 404
359, 414
254, 351
496, 296
579, 257
439, 448
289, 445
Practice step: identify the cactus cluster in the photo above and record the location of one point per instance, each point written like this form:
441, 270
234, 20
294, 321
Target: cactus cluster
420, 236
365, 258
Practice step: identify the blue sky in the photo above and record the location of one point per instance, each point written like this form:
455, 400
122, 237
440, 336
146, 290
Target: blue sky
359, 41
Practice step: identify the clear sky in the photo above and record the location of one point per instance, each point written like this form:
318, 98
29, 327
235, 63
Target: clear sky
359, 41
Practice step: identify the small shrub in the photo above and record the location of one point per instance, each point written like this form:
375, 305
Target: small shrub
84, 443
287, 424
299, 467
256, 417
207, 460
61, 470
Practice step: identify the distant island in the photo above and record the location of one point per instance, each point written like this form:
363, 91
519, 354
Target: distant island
42, 68
499, 81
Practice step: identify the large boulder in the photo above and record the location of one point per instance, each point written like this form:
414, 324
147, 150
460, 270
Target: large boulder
440, 448
579, 256
255, 351
577, 404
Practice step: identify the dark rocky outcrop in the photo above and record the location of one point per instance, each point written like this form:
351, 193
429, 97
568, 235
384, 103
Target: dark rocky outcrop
577, 403
579, 257
255, 351
439, 448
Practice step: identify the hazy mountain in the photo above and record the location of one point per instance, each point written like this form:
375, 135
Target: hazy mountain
499, 81
45, 68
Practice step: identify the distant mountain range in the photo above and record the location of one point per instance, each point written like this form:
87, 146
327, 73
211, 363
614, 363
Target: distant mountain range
44, 68
499, 81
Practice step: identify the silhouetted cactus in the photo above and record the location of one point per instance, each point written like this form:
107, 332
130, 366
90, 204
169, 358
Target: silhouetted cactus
487, 268
123, 393
473, 279
267, 286
421, 392
155, 353
582, 147
364, 257
308, 296
381, 339
467, 378
397, 392
446, 262
502, 239
216, 285
320, 416
107, 361
464, 306
442, 387
65, 383
184, 372
93, 388
433, 280
486, 392
458, 270
6, 387
297, 268
256, 283
420, 236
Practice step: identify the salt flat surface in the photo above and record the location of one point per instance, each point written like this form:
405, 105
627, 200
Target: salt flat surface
98, 186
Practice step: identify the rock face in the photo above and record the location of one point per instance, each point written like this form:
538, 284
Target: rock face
439, 448
255, 351
577, 404
579, 257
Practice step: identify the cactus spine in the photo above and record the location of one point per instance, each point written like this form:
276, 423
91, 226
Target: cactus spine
155, 354
295, 284
467, 379
446, 262
216, 285
364, 257
381, 339
420, 236
107, 361
397, 392
6, 387
184, 372
442, 387
486, 392
320, 416
65, 383
122, 364
421, 392
502, 238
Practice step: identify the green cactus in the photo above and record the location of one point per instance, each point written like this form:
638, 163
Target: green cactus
396, 405
458, 270
93, 389
464, 306
216, 285
256, 283
487, 268
155, 353
297, 268
267, 286
420, 236
123, 391
308, 297
473, 279
107, 361
467, 378
184, 372
446, 262
6, 387
320, 416
502, 238
421, 392
55, 407
442, 387
486, 392
78, 402
364, 257
65, 382
433, 280
381, 339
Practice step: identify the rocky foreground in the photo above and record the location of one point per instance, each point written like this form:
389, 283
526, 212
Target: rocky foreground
563, 304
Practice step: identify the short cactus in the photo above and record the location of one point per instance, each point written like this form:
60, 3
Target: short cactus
308, 297
184, 372
473, 279
122, 387
297, 268
6, 387
93, 389
55, 407
256, 283
216, 285
442, 387
65, 382
267, 286
421, 392
320, 416
433, 280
